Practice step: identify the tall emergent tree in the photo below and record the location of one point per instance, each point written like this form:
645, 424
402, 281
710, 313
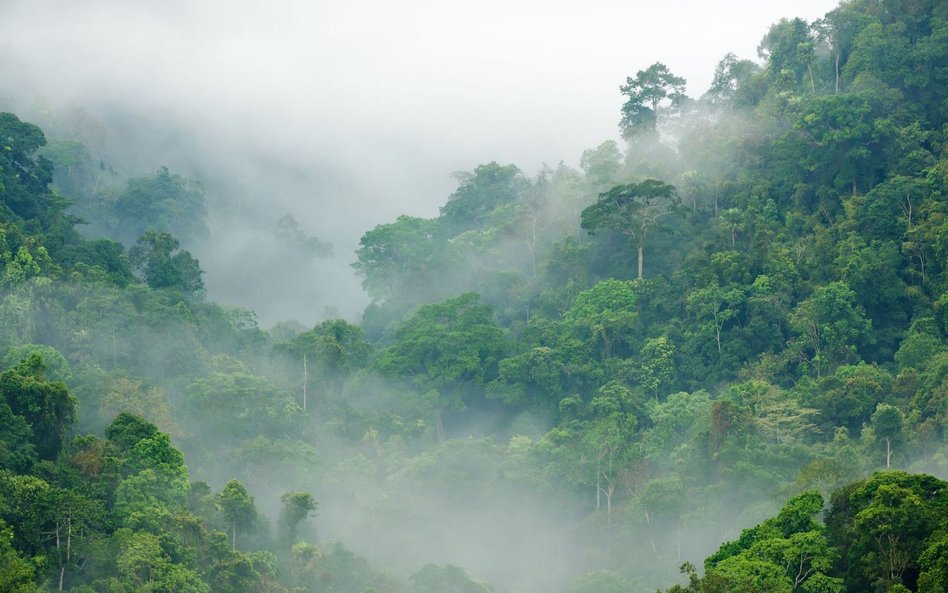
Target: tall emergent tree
237, 506
646, 92
296, 507
633, 209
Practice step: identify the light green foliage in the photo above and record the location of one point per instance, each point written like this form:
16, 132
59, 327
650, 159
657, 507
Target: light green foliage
243, 405
288, 230
162, 202
603, 318
56, 368
236, 504
334, 570
600, 445
297, 506
148, 489
789, 552
675, 424
714, 307
326, 355
733, 83
831, 325
445, 579
934, 567
789, 50
920, 345
155, 474
535, 376
663, 500
602, 581
601, 165
143, 565
888, 424
26, 501
656, 365
393, 258
126, 395
16, 573
267, 458
23, 265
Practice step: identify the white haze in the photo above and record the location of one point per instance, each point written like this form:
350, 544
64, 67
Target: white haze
347, 114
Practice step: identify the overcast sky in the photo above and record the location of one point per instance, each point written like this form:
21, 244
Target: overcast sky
385, 97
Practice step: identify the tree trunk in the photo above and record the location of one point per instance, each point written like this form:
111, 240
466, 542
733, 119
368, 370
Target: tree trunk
59, 556
648, 521
598, 491
641, 258
305, 381
62, 569
609, 491
533, 248
837, 71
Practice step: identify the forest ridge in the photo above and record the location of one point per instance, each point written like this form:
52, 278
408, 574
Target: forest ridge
575, 381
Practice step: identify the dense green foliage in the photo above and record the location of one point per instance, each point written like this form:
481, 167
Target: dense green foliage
516, 378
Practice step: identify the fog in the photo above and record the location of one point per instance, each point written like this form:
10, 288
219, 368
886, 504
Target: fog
345, 115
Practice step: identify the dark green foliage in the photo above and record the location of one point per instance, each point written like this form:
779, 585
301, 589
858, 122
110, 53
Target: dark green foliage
884, 526
454, 347
127, 430
650, 88
24, 177
632, 209
162, 265
17, 451
480, 193
791, 335
47, 407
